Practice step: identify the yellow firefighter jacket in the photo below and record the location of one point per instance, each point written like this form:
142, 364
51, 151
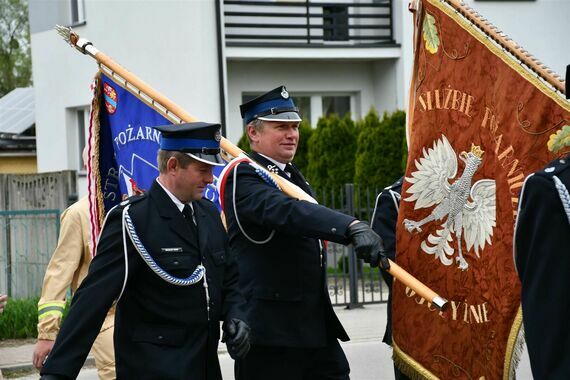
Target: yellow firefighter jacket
68, 266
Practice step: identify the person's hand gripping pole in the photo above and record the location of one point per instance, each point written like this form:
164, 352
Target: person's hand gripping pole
369, 247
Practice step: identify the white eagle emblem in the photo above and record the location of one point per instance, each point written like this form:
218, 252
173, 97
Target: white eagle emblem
470, 210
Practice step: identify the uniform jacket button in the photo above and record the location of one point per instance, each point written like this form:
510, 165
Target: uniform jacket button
175, 262
333, 230
160, 337
277, 295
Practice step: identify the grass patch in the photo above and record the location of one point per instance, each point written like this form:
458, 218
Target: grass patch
19, 373
20, 319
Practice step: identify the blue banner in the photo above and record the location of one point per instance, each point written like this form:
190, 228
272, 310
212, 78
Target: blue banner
128, 145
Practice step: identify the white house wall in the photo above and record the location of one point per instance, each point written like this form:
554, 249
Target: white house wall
311, 77
171, 45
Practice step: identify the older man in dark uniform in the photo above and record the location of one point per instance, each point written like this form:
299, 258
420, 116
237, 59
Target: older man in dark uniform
164, 258
384, 219
542, 256
281, 258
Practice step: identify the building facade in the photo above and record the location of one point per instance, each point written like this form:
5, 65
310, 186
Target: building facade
209, 56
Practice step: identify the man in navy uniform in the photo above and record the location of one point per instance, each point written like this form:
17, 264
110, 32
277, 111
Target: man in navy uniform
542, 256
277, 240
384, 219
164, 258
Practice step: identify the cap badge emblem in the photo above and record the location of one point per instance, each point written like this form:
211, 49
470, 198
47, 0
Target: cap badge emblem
284, 93
218, 135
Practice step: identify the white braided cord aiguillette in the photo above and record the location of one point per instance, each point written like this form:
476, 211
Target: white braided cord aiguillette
194, 278
264, 174
563, 194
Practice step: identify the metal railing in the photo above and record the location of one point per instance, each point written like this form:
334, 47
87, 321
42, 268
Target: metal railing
351, 282
28, 238
308, 23
27, 241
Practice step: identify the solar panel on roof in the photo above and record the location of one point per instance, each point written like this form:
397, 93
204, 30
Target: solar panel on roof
17, 111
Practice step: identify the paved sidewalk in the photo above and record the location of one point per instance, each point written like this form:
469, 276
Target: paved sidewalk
365, 352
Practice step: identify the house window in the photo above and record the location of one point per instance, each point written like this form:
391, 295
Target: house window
77, 12
339, 105
335, 22
77, 132
81, 133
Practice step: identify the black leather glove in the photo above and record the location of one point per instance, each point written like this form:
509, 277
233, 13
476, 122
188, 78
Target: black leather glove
236, 337
367, 244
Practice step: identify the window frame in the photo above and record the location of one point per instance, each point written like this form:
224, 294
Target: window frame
77, 8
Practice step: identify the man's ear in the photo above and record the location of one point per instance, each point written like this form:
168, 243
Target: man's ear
252, 133
172, 164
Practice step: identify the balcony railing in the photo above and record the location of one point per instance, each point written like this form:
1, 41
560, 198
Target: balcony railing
308, 23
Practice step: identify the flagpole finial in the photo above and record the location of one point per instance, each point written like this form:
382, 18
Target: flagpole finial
83, 45
65, 32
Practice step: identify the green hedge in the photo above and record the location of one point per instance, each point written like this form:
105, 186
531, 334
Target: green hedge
331, 153
301, 159
371, 152
381, 146
243, 143
19, 319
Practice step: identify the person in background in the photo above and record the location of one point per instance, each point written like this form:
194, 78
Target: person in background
384, 219
542, 258
68, 267
3, 299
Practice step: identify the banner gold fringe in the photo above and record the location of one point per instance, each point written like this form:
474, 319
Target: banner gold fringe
95, 131
515, 346
409, 366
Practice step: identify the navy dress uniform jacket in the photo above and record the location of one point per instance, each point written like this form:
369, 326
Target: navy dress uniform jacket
284, 279
162, 330
542, 242
384, 219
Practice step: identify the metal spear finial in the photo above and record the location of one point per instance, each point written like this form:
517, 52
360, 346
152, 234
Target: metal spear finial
72, 38
65, 33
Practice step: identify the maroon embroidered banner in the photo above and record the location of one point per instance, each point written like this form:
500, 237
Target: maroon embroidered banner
479, 123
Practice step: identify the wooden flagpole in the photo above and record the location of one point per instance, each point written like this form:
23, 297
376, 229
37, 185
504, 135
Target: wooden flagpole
171, 109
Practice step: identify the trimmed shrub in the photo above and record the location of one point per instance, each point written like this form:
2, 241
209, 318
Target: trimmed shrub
331, 153
371, 153
301, 159
379, 155
243, 143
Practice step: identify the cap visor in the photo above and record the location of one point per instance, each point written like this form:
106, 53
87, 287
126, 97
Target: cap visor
283, 116
210, 159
